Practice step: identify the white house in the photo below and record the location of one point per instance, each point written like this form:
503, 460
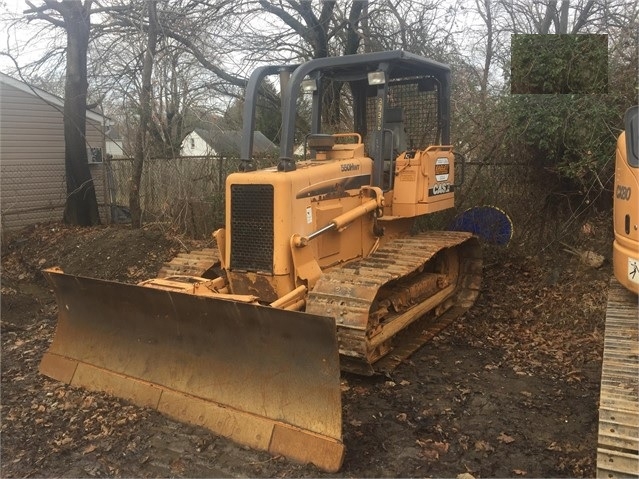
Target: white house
223, 143
115, 144
195, 145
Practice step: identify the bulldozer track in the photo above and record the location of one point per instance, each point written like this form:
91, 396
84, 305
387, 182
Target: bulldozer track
618, 451
350, 293
193, 263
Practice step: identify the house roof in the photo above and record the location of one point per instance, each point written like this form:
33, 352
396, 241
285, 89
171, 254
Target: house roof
228, 142
47, 97
114, 133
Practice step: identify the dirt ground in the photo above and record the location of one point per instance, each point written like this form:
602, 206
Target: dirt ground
509, 390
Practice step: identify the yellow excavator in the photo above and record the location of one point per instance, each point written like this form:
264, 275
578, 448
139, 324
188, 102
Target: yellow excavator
318, 268
618, 450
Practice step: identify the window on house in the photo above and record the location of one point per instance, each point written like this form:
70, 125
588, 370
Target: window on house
94, 155
192, 142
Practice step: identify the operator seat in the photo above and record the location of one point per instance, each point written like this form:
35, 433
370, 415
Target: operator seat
394, 123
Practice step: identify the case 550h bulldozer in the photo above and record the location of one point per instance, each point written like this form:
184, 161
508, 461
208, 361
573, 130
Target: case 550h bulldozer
317, 268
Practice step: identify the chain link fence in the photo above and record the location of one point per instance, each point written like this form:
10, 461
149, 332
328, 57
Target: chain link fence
186, 193
544, 212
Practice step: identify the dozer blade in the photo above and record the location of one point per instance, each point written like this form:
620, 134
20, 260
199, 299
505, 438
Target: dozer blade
263, 377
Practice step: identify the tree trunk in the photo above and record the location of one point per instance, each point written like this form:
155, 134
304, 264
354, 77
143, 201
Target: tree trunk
487, 16
81, 206
141, 146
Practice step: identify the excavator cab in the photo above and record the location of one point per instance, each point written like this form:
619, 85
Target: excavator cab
626, 204
316, 270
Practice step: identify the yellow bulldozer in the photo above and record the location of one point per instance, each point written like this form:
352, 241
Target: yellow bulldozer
318, 268
618, 451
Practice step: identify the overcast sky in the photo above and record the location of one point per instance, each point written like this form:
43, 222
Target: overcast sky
13, 37
38, 44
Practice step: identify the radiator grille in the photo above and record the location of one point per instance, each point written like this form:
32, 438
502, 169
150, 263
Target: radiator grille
252, 227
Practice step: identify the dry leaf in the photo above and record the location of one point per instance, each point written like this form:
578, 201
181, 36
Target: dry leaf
554, 447
89, 449
519, 472
64, 441
441, 447
430, 454
505, 438
432, 449
483, 446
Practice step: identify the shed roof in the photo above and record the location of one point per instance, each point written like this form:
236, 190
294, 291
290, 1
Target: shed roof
47, 97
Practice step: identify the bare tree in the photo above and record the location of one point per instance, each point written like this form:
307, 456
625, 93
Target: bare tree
145, 116
73, 16
302, 30
566, 16
308, 25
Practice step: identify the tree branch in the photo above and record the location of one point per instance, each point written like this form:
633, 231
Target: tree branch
38, 12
